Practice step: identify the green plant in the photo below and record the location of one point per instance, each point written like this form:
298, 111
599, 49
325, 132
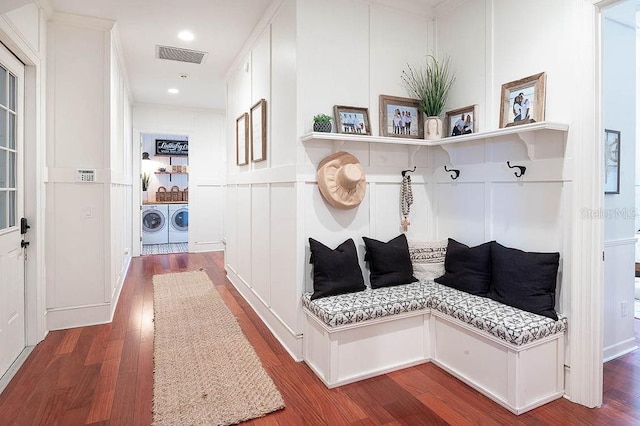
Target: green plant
430, 84
322, 118
145, 181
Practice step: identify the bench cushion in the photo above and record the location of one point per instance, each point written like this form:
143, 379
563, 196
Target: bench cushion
368, 304
505, 322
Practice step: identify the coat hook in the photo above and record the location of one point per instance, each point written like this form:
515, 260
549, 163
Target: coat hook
404, 172
456, 172
521, 169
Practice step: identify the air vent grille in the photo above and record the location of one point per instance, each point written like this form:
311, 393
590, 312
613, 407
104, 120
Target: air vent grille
181, 55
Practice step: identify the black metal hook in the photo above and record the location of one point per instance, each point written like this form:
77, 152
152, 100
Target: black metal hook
521, 169
404, 172
456, 172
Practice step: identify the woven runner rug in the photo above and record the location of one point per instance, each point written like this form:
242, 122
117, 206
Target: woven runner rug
205, 372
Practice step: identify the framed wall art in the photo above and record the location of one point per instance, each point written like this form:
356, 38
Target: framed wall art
611, 161
242, 139
352, 120
172, 147
400, 117
461, 121
522, 101
258, 115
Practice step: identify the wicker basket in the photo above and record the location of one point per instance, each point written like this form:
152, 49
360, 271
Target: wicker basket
175, 194
185, 194
161, 194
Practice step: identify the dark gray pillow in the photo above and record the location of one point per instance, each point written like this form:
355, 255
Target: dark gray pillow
335, 271
524, 280
467, 268
389, 263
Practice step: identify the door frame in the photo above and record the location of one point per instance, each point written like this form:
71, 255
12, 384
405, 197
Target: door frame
136, 212
34, 154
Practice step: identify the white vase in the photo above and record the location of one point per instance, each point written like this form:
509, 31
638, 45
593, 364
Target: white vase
432, 128
145, 196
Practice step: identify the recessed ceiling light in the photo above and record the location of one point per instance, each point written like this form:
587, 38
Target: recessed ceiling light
173, 91
186, 35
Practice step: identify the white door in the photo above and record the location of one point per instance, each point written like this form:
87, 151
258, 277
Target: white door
12, 287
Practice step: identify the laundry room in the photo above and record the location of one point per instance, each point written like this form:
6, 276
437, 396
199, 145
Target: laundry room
165, 193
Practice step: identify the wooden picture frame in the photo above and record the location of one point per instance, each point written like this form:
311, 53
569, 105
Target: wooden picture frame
522, 101
352, 120
396, 113
461, 121
258, 118
242, 139
611, 161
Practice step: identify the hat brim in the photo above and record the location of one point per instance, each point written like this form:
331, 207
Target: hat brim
335, 194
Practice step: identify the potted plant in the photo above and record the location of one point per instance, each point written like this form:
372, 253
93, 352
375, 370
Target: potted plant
430, 85
322, 123
145, 187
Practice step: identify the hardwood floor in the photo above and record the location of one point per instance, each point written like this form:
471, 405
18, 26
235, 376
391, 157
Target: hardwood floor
104, 375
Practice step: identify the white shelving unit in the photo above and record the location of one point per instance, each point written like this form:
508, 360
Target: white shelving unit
541, 140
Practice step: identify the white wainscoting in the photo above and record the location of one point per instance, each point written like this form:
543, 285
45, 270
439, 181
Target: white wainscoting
619, 285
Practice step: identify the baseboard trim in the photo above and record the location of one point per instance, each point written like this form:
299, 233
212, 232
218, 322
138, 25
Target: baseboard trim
78, 316
11, 372
288, 339
619, 349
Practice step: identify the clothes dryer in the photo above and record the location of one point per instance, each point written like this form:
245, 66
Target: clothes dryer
178, 223
155, 224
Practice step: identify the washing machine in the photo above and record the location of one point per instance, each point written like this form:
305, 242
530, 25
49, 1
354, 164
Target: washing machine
178, 223
155, 224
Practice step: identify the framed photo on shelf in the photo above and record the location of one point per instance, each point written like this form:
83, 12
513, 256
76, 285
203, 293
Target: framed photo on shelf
242, 139
522, 101
611, 161
352, 120
461, 121
400, 117
258, 115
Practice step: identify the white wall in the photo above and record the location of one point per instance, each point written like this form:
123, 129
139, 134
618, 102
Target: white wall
544, 212
267, 249
499, 42
89, 127
619, 112
207, 167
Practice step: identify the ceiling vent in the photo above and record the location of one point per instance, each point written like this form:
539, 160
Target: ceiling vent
181, 55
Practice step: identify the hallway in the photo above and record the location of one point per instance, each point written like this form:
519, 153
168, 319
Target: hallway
104, 374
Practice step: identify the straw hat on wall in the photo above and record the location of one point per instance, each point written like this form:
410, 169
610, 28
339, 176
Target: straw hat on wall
341, 180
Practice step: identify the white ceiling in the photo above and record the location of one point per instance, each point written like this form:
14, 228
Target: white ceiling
221, 27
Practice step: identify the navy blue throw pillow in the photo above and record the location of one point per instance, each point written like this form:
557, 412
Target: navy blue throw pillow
335, 271
467, 268
389, 263
524, 280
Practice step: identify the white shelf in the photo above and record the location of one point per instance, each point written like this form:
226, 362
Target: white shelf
533, 135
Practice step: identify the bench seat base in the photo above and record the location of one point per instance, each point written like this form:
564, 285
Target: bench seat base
519, 378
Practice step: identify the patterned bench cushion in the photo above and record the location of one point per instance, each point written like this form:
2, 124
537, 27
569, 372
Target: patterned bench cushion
505, 322
368, 304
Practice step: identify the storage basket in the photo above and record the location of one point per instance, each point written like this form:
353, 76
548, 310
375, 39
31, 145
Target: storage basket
161, 194
175, 194
185, 194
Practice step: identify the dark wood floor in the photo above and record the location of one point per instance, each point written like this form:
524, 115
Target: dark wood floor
104, 374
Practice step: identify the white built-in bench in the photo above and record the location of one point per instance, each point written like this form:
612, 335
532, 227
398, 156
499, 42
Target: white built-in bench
512, 356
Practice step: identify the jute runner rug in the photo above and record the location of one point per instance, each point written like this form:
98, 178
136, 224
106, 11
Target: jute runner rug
206, 372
